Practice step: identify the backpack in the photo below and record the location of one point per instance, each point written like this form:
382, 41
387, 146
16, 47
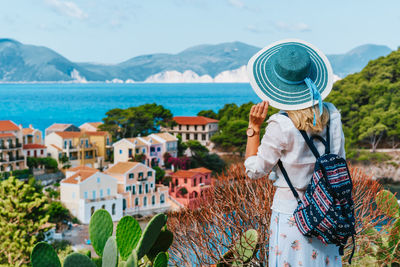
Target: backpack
327, 209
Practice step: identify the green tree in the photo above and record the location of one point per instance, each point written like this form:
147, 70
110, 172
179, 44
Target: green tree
160, 173
58, 213
23, 212
232, 136
181, 146
201, 157
134, 121
208, 113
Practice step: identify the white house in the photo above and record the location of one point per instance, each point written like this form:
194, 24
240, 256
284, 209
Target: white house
85, 190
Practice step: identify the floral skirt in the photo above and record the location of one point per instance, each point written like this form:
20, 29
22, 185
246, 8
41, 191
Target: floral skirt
289, 248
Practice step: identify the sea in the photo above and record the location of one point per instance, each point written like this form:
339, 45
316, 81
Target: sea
42, 104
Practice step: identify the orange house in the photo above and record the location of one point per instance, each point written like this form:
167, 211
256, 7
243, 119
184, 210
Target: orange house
187, 186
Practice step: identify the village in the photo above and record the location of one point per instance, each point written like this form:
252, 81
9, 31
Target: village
93, 172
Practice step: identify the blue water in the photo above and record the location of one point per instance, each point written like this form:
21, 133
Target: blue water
44, 104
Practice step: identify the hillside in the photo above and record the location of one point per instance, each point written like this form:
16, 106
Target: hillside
369, 102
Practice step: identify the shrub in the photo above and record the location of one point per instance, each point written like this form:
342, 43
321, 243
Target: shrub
237, 203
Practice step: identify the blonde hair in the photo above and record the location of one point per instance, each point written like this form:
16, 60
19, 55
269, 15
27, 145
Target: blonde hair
303, 119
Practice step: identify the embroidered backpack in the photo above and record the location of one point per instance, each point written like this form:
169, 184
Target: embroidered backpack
326, 210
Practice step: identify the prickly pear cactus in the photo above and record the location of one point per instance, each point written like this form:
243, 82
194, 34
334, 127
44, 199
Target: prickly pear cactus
76, 259
122, 264
162, 244
246, 246
128, 235
44, 254
132, 260
110, 253
150, 234
161, 260
100, 229
387, 203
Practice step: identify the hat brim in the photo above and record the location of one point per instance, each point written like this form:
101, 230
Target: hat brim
282, 95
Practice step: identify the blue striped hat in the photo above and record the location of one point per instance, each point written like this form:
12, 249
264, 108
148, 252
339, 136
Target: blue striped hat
291, 74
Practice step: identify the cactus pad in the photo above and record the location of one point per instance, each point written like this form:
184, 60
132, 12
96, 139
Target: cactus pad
246, 246
128, 235
161, 260
122, 264
44, 254
110, 253
100, 229
387, 203
76, 259
162, 244
132, 260
150, 234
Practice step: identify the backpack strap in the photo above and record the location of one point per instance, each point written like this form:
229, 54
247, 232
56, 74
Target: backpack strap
296, 195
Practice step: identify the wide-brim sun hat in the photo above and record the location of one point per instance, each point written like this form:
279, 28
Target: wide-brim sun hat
291, 74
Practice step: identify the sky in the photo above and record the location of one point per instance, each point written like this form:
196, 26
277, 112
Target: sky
112, 31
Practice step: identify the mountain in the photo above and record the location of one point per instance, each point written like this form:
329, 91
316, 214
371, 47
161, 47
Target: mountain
204, 63
19, 62
356, 59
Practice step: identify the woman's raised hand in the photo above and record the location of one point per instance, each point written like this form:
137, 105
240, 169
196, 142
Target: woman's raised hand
258, 113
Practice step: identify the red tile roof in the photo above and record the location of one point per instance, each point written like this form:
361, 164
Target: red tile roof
81, 174
59, 126
193, 120
56, 147
2, 135
201, 169
34, 146
8, 126
27, 131
81, 168
80, 134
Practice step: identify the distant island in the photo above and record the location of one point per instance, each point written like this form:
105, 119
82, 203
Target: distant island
224, 62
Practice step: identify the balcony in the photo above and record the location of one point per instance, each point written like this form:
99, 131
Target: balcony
100, 199
89, 157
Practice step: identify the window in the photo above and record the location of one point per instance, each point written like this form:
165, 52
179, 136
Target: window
187, 127
133, 190
195, 127
147, 188
103, 206
143, 150
187, 136
65, 143
194, 182
98, 180
128, 188
94, 194
140, 175
162, 199
145, 201
113, 209
140, 189
151, 185
137, 150
41, 152
201, 178
158, 149
149, 173
180, 127
29, 153
108, 141
195, 136
176, 182
87, 143
152, 149
108, 191
85, 195
120, 151
136, 201
153, 200
70, 143
203, 137
131, 176
204, 127
130, 152
101, 192
91, 211
185, 181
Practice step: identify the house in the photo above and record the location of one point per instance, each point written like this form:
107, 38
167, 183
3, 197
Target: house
31, 135
187, 186
198, 128
136, 183
34, 150
153, 146
80, 148
85, 190
11, 155
90, 126
61, 127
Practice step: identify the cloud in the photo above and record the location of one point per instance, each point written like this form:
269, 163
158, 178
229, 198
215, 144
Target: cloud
292, 27
67, 8
236, 3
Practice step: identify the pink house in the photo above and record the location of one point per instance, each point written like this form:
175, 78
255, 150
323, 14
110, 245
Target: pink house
187, 186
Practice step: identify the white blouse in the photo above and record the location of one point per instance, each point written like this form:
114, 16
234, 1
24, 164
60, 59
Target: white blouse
282, 140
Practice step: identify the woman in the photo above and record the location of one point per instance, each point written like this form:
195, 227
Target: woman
294, 76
